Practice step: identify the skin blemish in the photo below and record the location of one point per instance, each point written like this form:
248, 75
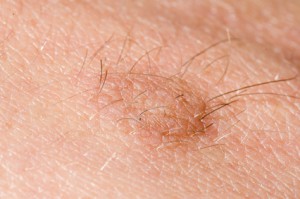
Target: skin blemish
151, 109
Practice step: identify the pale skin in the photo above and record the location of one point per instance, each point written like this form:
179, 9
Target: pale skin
72, 122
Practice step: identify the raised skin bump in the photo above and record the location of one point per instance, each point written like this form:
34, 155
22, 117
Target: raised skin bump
154, 111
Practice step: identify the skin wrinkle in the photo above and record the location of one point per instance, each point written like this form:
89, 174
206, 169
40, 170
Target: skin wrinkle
69, 105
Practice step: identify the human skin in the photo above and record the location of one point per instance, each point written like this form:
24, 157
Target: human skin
75, 103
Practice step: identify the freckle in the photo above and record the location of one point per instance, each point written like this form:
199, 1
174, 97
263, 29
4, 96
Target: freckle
33, 22
3, 56
8, 124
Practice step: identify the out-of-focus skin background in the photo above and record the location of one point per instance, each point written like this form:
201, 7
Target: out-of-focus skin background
60, 130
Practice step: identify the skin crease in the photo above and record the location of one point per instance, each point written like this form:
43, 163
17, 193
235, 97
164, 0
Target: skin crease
57, 141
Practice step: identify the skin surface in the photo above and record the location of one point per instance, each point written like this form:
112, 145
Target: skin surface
78, 80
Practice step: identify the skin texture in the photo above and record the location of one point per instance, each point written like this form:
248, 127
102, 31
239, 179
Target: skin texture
66, 97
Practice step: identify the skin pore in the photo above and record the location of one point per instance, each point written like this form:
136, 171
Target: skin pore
125, 99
